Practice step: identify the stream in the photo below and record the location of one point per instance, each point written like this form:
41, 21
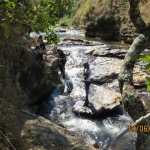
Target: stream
102, 130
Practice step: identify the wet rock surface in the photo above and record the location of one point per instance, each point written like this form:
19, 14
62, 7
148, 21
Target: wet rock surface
36, 132
101, 79
103, 102
139, 77
119, 53
90, 51
29, 131
106, 66
71, 41
60, 30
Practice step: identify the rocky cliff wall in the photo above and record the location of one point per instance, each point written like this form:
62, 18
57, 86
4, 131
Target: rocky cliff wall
108, 20
23, 78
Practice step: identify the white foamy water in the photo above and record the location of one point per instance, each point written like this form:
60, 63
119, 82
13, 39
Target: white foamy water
103, 131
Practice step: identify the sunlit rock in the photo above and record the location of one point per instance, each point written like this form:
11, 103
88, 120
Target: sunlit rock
139, 77
101, 53
60, 30
104, 102
105, 66
52, 61
89, 51
100, 79
128, 40
96, 53
90, 43
80, 42
119, 53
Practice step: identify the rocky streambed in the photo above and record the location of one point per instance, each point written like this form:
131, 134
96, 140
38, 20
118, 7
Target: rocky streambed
66, 124
66, 108
106, 67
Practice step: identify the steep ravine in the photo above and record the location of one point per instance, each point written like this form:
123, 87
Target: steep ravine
108, 20
25, 82
20, 127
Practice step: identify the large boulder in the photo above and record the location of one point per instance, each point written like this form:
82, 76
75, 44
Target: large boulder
72, 41
52, 61
60, 30
27, 131
105, 70
104, 102
101, 79
119, 53
89, 51
106, 66
139, 77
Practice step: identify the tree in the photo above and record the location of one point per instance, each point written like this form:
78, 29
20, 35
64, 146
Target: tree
37, 15
132, 102
17, 17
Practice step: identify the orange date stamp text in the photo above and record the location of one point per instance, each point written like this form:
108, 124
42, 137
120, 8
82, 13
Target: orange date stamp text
139, 128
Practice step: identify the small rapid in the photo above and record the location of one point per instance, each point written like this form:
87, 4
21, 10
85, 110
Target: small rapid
102, 130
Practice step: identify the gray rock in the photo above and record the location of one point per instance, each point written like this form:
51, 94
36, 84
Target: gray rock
104, 102
100, 79
120, 53
89, 51
139, 77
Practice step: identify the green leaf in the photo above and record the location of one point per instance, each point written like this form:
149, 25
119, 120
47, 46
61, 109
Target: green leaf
10, 5
147, 67
148, 87
6, 33
34, 7
6, 30
40, 15
148, 81
145, 58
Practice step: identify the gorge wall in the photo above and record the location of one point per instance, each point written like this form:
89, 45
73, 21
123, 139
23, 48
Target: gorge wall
109, 20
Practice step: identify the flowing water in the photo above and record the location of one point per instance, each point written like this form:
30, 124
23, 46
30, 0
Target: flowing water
101, 130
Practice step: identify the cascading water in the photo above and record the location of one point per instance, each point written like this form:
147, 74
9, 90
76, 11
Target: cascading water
103, 131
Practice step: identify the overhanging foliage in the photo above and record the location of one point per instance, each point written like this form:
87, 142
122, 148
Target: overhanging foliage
37, 15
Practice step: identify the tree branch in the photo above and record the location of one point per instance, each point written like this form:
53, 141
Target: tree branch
135, 16
137, 47
10, 144
130, 98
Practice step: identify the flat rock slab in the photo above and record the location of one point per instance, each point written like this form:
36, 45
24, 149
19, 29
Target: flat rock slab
102, 103
120, 53
106, 66
71, 41
139, 77
89, 51
101, 79
107, 69
52, 61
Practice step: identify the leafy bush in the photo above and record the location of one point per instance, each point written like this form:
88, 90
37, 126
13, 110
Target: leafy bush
146, 58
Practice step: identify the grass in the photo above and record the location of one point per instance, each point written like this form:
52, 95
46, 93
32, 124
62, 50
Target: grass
91, 10
66, 21
84, 8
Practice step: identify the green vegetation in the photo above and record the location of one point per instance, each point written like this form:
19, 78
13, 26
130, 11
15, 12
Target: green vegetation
20, 73
39, 16
90, 12
66, 21
146, 58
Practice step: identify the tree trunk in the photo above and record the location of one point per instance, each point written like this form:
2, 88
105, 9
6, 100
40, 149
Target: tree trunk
132, 102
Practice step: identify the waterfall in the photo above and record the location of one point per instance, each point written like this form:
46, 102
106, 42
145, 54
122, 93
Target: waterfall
101, 130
